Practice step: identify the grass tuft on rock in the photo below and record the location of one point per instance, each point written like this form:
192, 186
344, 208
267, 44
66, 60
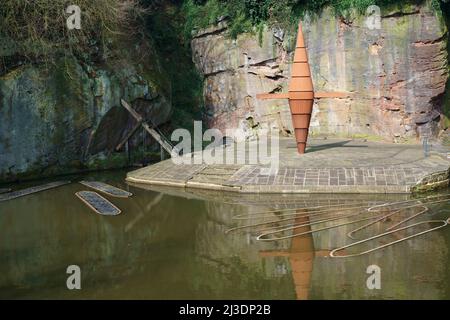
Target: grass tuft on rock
36, 30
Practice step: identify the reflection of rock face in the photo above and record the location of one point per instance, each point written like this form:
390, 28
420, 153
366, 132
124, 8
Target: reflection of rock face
398, 74
54, 117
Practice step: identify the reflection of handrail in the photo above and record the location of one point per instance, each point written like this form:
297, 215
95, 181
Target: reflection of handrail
314, 213
260, 237
444, 223
311, 215
294, 225
328, 214
425, 209
269, 213
263, 214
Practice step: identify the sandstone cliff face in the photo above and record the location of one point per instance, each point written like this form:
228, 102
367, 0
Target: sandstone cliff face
235, 71
397, 75
66, 117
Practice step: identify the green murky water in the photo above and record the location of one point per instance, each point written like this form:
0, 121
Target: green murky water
173, 245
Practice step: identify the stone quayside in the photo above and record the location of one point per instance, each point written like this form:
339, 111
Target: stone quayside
329, 166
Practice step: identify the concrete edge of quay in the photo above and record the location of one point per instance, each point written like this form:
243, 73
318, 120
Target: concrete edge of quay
430, 182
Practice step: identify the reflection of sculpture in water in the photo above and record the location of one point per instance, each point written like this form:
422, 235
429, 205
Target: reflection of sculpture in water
301, 257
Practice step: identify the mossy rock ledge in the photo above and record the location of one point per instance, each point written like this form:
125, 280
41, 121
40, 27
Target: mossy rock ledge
61, 117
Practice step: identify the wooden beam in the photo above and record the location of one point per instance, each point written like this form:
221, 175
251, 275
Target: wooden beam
158, 138
302, 95
270, 96
136, 115
144, 124
129, 135
86, 151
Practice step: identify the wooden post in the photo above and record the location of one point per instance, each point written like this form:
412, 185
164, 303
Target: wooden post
163, 156
127, 150
144, 124
128, 136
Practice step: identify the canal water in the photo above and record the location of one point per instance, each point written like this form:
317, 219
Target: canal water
174, 244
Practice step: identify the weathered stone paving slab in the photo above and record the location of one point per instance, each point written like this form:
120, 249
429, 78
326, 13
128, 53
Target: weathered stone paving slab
214, 177
166, 173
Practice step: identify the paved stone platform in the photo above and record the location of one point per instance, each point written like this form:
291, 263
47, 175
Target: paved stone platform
329, 166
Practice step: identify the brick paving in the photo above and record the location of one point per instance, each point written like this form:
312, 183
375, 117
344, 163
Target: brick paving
329, 176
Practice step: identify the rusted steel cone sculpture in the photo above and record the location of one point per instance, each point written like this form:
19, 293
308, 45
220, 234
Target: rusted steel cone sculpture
301, 93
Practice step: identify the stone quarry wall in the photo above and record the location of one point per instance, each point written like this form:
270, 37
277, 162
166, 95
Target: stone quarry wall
396, 74
65, 116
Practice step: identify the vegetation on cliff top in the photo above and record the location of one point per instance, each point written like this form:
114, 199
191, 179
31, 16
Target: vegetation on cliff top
37, 31
248, 15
